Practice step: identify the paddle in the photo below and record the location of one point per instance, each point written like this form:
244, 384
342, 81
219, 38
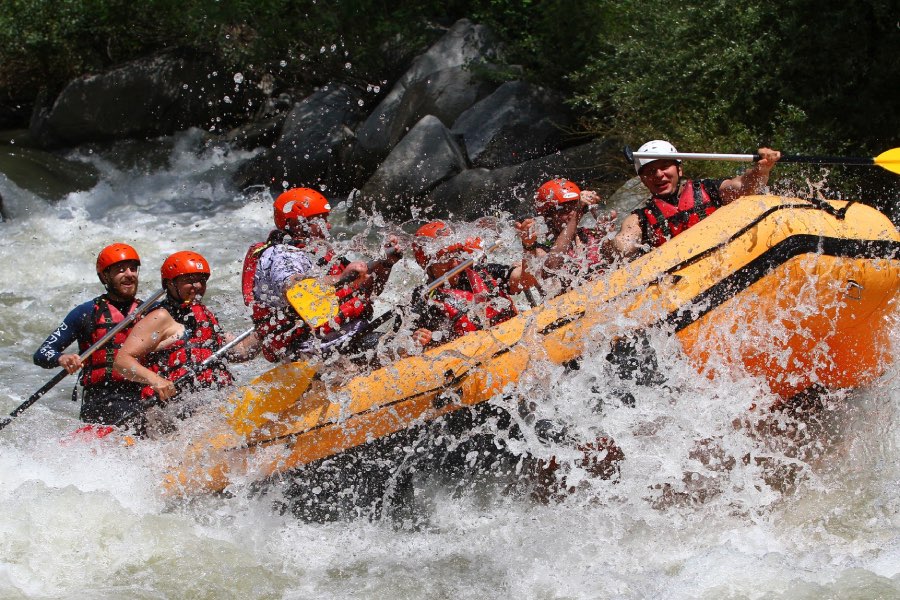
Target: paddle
889, 160
317, 303
99, 344
182, 381
314, 302
280, 387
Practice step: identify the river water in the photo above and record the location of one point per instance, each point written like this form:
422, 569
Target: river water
88, 520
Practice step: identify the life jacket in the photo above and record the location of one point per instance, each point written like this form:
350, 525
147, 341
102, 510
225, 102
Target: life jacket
202, 337
589, 257
281, 329
461, 307
661, 221
583, 259
98, 367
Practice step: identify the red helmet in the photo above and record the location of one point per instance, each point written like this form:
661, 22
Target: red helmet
183, 263
437, 229
115, 253
299, 202
556, 192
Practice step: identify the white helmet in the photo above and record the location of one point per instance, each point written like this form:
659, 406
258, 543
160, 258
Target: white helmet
657, 146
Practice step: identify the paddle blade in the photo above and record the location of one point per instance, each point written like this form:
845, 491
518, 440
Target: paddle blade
315, 303
269, 394
889, 159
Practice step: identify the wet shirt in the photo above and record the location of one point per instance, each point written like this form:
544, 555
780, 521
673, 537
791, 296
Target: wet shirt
277, 265
76, 327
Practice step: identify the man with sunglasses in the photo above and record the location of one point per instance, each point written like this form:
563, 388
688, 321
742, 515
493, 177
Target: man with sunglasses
107, 396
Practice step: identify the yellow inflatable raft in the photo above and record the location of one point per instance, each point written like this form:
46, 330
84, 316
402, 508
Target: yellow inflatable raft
798, 292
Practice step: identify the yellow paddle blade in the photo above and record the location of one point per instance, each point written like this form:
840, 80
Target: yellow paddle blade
889, 159
315, 303
269, 394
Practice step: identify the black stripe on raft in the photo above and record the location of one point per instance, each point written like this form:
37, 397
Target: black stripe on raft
764, 264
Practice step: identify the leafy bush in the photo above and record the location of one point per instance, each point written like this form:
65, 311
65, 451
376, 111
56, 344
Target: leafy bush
713, 75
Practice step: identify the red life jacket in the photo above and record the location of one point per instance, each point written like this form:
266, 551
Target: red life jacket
202, 337
661, 221
588, 258
461, 307
281, 329
97, 369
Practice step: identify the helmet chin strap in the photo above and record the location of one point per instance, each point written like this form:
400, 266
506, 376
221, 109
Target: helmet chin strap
174, 295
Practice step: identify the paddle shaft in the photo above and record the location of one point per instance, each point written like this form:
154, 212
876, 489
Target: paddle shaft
84, 355
785, 158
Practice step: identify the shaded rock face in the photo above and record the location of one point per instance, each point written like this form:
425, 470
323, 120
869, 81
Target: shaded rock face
464, 43
516, 123
427, 156
148, 97
630, 196
314, 140
444, 94
47, 175
479, 191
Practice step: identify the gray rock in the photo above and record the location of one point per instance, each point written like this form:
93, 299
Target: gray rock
474, 193
254, 134
425, 157
44, 174
516, 123
464, 43
628, 197
315, 138
445, 94
148, 97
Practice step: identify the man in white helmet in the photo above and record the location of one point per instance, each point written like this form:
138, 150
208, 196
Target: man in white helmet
675, 203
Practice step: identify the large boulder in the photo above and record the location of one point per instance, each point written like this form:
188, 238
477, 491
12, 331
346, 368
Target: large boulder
473, 193
516, 123
145, 98
315, 138
445, 94
464, 44
47, 175
628, 197
425, 157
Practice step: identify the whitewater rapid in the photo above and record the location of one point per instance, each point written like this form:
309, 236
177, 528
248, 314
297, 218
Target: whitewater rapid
88, 519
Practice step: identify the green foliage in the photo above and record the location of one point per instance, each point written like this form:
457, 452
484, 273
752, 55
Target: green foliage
718, 76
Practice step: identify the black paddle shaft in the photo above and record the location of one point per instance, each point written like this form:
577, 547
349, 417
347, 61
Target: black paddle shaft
33, 398
825, 160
